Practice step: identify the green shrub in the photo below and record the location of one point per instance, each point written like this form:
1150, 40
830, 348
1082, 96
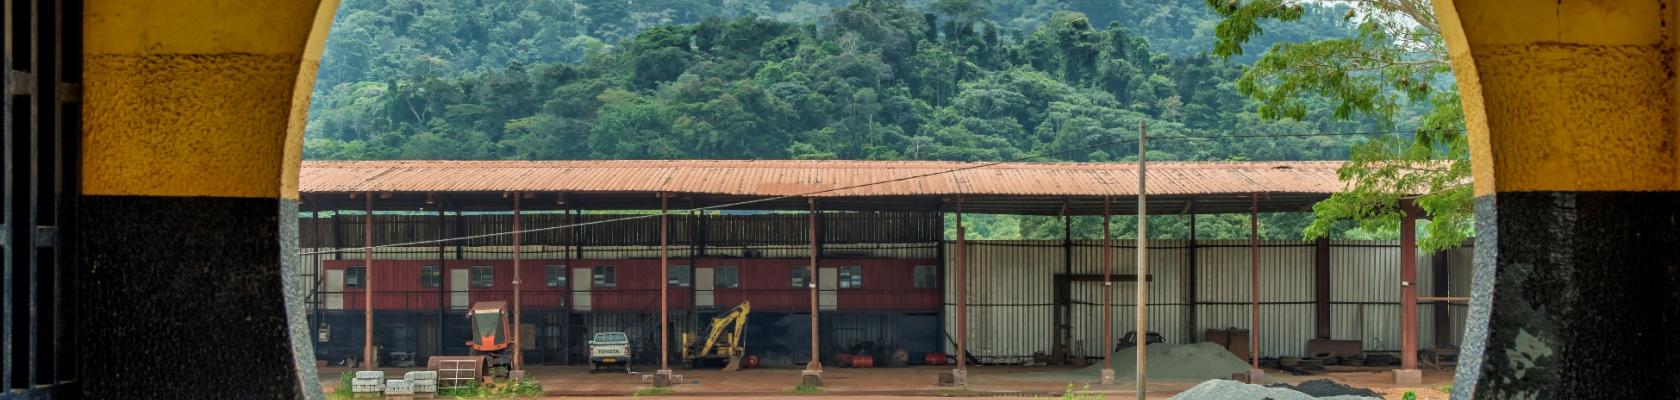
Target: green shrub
651, 391
521, 388
806, 389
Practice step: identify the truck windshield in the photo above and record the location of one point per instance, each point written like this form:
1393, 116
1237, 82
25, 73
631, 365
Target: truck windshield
610, 337
488, 324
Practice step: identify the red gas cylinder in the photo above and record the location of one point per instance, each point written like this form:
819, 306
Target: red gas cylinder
863, 361
844, 359
750, 361
934, 359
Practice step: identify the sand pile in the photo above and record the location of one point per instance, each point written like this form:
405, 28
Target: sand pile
1224, 389
1192, 362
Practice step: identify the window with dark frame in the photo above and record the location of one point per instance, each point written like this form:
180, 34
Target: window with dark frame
680, 276
431, 277
926, 277
554, 276
605, 276
354, 276
801, 276
726, 277
482, 276
851, 277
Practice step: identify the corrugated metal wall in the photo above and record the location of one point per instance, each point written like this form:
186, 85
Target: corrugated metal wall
1012, 311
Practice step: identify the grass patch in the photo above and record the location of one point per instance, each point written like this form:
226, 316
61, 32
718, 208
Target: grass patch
522, 388
1084, 393
806, 389
343, 389
651, 391
1447, 388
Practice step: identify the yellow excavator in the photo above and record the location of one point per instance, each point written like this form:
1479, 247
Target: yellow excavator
723, 341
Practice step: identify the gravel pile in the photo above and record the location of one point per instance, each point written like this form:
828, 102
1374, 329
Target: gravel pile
1224, 389
1184, 362
1195, 361
1327, 388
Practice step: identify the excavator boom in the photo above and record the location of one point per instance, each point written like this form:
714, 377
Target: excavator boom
723, 339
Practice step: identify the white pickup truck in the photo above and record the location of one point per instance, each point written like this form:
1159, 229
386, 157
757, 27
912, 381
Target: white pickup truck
608, 348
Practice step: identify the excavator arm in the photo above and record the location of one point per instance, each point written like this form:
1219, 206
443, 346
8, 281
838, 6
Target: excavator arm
728, 327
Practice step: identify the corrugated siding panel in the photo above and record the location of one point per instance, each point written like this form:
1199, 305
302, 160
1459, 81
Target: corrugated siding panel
1011, 311
1009, 297
1286, 291
1364, 293
1168, 270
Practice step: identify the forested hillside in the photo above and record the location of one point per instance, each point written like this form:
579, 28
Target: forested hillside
756, 79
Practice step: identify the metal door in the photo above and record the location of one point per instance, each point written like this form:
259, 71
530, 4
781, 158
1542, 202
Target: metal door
458, 296
334, 282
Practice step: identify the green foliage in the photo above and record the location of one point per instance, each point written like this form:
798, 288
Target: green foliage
961, 80
651, 391
522, 388
344, 389
805, 389
1392, 69
1409, 395
1083, 393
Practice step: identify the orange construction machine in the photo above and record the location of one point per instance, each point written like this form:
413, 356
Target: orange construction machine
491, 345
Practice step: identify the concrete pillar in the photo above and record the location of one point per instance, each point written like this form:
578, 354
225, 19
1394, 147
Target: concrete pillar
1571, 116
192, 121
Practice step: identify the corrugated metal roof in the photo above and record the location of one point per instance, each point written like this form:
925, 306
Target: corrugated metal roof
778, 178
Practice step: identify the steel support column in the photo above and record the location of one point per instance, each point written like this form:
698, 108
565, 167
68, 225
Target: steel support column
1321, 288
1254, 281
962, 290
1190, 284
1108, 289
1408, 286
443, 274
811, 283
367, 283
518, 340
664, 286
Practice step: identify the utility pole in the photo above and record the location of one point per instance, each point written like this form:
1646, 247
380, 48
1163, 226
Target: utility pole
1142, 260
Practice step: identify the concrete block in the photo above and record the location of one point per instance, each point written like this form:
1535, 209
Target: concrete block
373, 388
662, 378
1257, 376
425, 387
375, 375
1107, 376
398, 387
516, 375
810, 378
412, 376
1408, 377
959, 377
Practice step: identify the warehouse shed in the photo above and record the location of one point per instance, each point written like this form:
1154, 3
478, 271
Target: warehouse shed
887, 269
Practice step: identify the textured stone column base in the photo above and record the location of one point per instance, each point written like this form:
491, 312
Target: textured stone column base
1408, 377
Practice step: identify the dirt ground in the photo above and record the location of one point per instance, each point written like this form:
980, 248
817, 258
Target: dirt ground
905, 383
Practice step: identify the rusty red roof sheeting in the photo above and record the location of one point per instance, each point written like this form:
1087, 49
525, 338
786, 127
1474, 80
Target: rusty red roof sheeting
779, 178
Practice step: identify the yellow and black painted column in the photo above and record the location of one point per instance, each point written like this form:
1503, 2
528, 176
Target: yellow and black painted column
193, 118
1571, 110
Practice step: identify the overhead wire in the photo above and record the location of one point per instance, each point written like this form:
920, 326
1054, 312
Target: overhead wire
836, 189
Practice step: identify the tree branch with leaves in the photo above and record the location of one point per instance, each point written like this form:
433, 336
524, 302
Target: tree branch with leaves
1395, 61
